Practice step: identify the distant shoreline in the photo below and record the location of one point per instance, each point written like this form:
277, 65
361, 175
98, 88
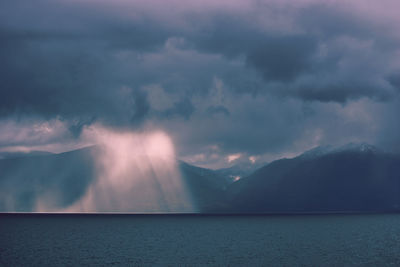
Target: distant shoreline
195, 214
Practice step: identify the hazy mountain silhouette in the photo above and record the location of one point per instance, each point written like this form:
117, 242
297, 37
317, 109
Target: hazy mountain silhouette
206, 186
352, 178
239, 170
64, 178
12, 155
356, 177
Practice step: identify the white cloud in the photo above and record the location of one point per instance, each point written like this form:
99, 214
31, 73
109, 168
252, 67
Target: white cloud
233, 157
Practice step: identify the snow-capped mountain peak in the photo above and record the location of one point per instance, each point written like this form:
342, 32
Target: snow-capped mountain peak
354, 147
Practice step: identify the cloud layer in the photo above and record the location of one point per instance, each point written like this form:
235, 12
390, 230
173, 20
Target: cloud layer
259, 78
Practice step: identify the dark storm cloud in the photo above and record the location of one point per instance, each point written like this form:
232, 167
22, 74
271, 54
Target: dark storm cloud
238, 74
284, 58
330, 40
184, 108
277, 55
70, 70
395, 81
212, 110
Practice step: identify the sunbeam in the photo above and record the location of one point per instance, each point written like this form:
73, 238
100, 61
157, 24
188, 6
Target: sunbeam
135, 172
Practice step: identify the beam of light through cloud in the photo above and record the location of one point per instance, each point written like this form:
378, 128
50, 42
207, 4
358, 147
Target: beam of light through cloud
135, 172
231, 82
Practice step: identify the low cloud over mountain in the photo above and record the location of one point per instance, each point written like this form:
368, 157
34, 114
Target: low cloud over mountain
260, 78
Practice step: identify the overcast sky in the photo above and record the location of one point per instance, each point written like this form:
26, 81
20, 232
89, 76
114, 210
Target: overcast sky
224, 79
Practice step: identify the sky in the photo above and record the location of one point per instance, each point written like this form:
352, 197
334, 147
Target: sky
227, 81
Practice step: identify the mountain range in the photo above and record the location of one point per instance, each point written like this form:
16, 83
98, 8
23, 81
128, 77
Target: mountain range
351, 178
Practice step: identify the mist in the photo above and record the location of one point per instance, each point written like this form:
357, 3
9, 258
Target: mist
135, 172
117, 171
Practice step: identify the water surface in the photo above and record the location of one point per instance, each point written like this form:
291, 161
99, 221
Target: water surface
148, 240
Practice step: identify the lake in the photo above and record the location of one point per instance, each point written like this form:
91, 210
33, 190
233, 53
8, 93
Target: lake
194, 240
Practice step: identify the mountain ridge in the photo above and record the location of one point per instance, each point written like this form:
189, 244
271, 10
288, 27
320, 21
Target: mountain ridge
356, 177
344, 179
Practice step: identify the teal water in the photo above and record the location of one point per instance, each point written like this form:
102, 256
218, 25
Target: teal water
173, 240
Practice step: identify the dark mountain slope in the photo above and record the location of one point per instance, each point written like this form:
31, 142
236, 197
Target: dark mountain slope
239, 170
206, 187
342, 180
